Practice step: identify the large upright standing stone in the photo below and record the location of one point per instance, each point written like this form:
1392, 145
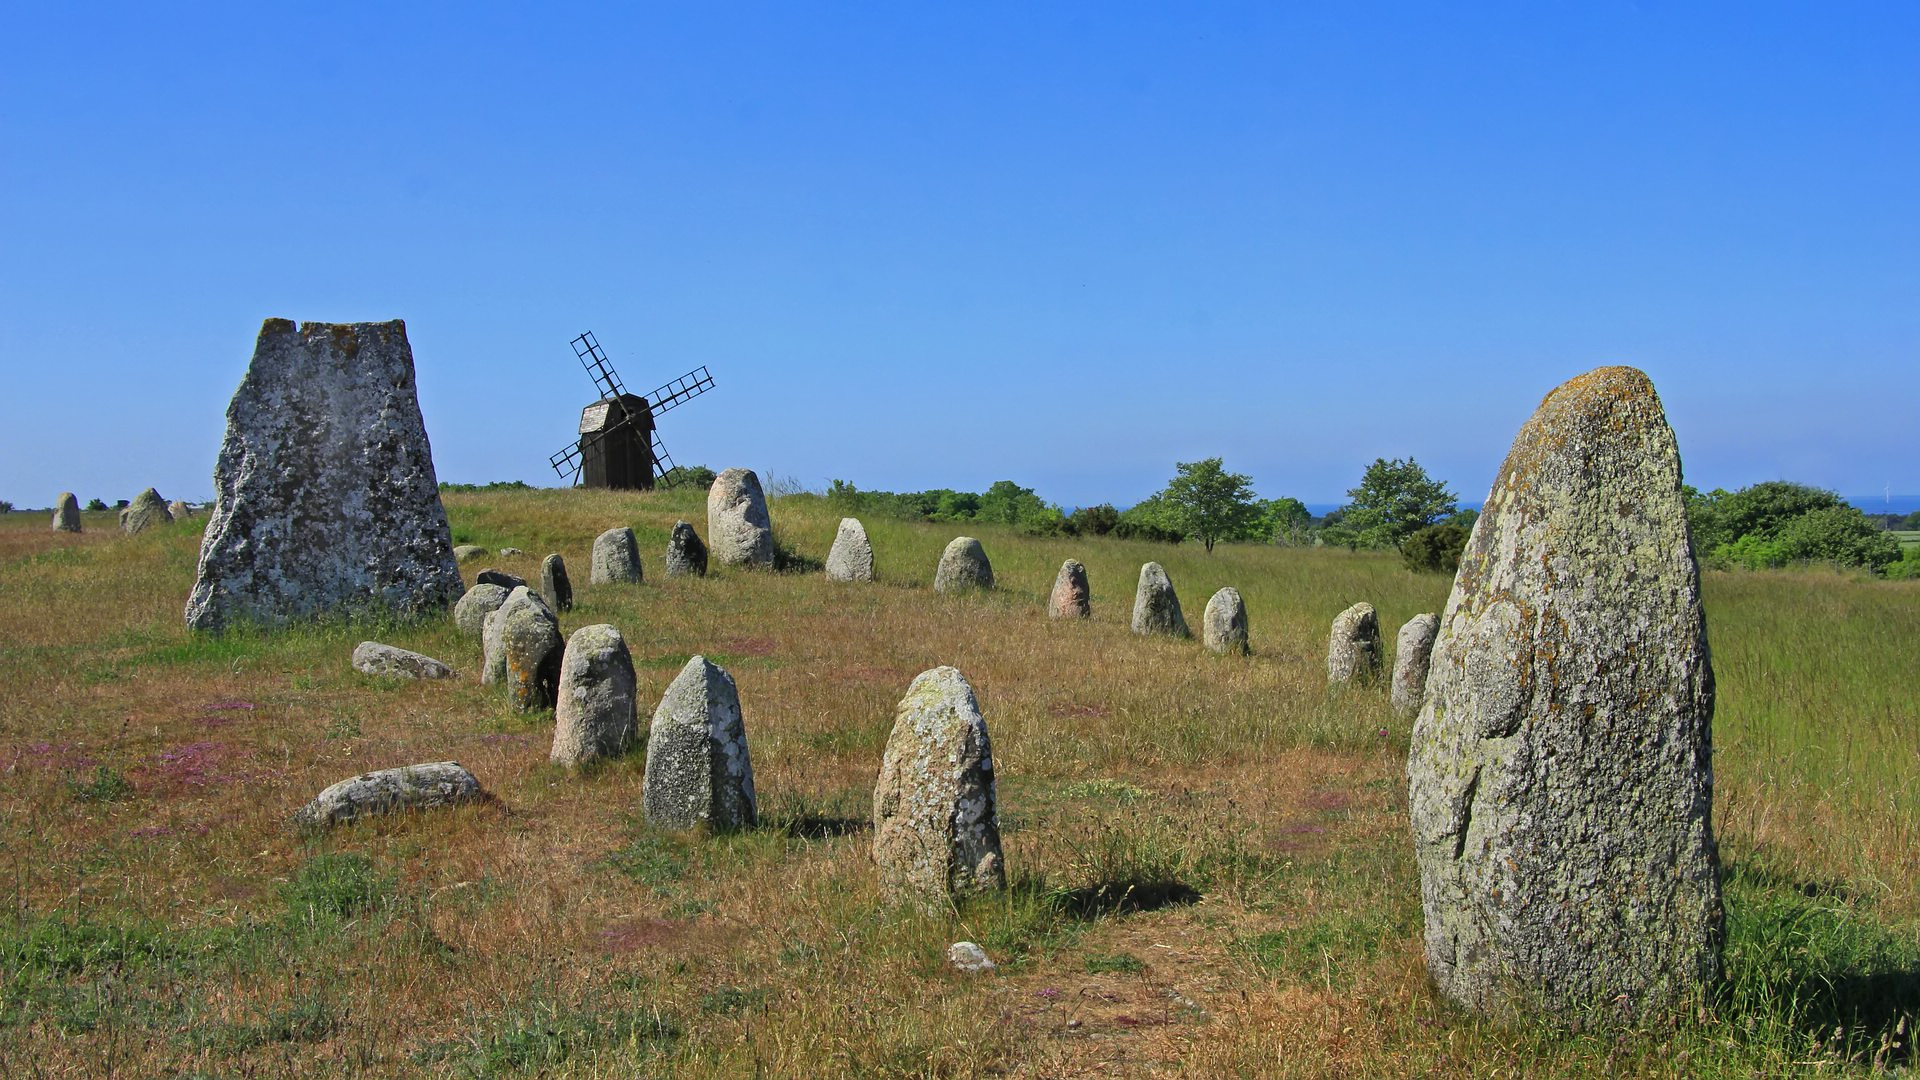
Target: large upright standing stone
738, 528
686, 555
470, 613
594, 716
936, 832
147, 510
1070, 598
522, 647
1353, 646
963, 566
555, 585
1223, 627
1156, 610
616, 558
851, 557
1561, 770
325, 495
698, 770
66, 513
1412, 650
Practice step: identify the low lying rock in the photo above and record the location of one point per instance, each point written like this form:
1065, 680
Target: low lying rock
686, 554
616, 558
851, 557
1070, 599
410, 787
507, 581
466, 552
374, 658
470, 614
963, 566
968, 958
511, 552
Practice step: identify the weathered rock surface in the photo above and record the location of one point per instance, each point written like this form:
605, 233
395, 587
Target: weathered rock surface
1412, 650
374, 658
1223, 626
1353, 647
468, 552
698, 769
1156, 610
1561, 770
325, 494
936, 833
594, 716
147, 510
738, 527
178, 511
963, 566
1071, 598
554, 583
410, 787
507, 581
616, 558
522, 647
511, 552
66, 513
686, 555
968, 958
470, 614
851, 556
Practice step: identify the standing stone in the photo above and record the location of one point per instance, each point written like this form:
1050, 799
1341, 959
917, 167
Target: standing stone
66, 513
374, 658
1412, 649
1353, 648
594, 717
148, 509
1223, 626
178, 511
698, 771
851, 557
522, 649
470, 614
936, 834
1070, 599
616, 558
1561, 770
686, 555
1156, 610
325, 494
963, 566
385, 791
737, 521
554, 583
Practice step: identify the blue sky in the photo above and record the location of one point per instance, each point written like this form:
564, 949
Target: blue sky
940, 245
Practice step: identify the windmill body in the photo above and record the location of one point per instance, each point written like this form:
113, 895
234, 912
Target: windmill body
619, 445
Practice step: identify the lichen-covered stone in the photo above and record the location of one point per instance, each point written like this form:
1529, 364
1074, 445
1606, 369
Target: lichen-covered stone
936, 832
963, 566
511, 553
594, 714
507, 581
851, 557
1353, 646
616, 558
470, 614
410, 787
738, 528
1223, 626
1561, 769
468, 552
1070, 598
530, 649
178, 511
698, 769
325, 494
66, 513
686, 555
147, 510
374, 658
554, 583
1156, 609
1412, 649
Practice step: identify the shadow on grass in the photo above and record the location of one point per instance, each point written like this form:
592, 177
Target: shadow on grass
1124, 897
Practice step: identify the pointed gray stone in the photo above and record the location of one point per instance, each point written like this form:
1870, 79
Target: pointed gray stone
470, 614
374, 658
554, 583
1156, 610
698, 769
1070, 598
1223, 626
147, 510
325, 494
410, 787
738, 527
1561, 769
178, 511
1353, 646
1412, 649
936, 832
686, 555
594, 716
66, 513
616, 558
851, 557
963, 566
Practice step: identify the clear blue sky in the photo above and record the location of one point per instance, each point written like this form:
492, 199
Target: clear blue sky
938, 245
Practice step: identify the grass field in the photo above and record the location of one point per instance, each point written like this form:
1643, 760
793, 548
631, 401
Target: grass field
1211, 872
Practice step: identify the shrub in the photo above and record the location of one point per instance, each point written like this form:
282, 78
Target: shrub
96, 504
1435, 549
1908, 568
697, 477
1093, 520
5, 507
1839, 534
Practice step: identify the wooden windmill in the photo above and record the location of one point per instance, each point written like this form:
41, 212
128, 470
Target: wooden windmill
619, 445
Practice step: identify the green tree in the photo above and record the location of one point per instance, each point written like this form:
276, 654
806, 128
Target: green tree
1765, 508
1912, 522
1837, 534
1150, 519
1394, 500
1210, 503
1436, 548
1093, 520
1282, 521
